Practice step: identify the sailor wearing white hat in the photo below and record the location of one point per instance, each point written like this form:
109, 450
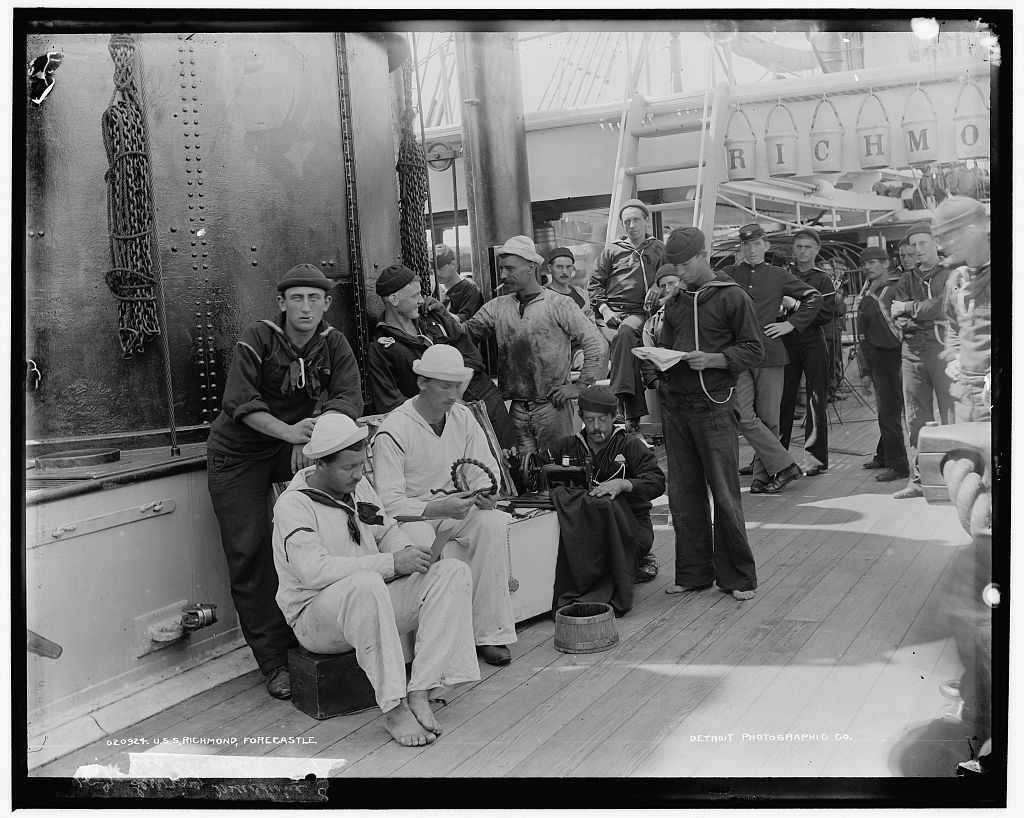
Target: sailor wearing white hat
350, 578
535, 329
412, 454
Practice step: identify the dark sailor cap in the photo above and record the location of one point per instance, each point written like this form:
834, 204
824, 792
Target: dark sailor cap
749, 232
305, 275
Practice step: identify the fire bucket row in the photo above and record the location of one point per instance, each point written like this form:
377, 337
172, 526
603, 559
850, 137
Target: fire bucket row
918, 130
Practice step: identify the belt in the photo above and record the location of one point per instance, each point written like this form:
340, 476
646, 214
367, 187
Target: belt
530, 405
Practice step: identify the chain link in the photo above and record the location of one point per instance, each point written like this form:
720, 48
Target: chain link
352, 212
412, 190
129, 206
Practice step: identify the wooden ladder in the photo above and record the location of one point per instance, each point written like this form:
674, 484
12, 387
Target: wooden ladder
633, 128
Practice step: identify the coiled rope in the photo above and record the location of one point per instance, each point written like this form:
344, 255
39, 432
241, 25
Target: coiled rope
969, 495
129, 206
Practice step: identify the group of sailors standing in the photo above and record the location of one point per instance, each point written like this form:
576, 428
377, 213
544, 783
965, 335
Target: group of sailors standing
347, 563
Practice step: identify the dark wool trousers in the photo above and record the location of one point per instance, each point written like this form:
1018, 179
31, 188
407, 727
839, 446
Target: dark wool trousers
888, 381
808, 357
702, 442
238, 488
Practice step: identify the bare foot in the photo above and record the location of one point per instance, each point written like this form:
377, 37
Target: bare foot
743, 596
405, 728
438, 695
420, 708
680, 589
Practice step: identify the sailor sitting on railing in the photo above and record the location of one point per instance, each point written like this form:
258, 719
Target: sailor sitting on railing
598, 562
412, 452
349, 577
622, 278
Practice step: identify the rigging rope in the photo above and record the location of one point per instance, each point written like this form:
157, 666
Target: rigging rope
129, 206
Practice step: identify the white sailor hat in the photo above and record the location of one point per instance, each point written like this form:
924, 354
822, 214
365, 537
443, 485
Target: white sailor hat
332, 433
443, 362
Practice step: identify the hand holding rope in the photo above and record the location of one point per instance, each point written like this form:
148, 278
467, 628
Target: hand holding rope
469, 461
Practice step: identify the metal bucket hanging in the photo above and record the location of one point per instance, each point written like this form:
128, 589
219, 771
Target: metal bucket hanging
873, 140
920, 130
739, 151
972, 125
780, 145
826, 143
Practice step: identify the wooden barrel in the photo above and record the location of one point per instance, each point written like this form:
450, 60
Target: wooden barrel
585, 627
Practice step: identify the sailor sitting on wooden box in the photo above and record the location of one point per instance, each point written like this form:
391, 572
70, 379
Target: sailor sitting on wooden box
350, 578
595, 562
413, 452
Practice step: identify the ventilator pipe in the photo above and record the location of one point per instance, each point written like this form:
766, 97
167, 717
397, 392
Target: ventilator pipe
192, 618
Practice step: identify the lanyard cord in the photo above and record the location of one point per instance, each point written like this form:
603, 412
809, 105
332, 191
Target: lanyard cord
696, 346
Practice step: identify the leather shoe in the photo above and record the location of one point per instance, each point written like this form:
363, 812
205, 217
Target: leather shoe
873, 464
813, 471
759, 487
648, 569
747, 470
908, 492
889, 475
784, 478
494, 654
279, 682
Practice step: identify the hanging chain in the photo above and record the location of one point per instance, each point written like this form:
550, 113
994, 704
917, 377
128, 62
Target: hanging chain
412, 190
352, 211
129, 206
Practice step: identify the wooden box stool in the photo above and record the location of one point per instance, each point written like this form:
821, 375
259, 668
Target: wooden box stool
328, 684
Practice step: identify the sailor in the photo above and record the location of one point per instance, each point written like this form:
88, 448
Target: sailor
623, 468
534, 329
918, 308
462, 298
413, 451
281, 372
713, 322
666, 281
808, 357
908, 256
350, 578
622, 277
878, 356
562, 266
759, 389
961, 229
409, 326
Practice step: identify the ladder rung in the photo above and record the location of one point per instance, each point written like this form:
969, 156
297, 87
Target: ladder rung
640, 170
670, 205
668, 126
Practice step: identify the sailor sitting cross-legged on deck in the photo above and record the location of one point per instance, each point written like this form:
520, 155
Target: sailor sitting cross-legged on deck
596, 563
413, 452
350, 578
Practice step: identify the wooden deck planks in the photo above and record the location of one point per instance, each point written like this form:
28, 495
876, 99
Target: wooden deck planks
779, 707
100, 752
843, 625
654, 676
516, 691
863, 626
701, 696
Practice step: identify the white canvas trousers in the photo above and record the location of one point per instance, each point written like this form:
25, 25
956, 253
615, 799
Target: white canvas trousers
481, 540
362, 612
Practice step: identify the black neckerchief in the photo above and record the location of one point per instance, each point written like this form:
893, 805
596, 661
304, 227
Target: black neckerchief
368, 513
307, 367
